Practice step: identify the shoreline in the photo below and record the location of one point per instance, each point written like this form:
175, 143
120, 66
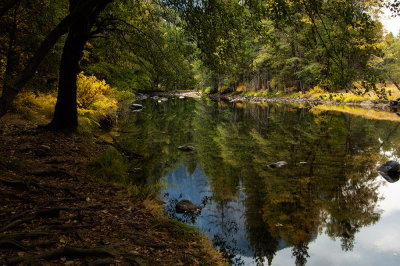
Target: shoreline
369, 104
55, 210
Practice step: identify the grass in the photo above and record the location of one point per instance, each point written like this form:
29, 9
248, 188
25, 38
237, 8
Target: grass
390, 92
111, 167
34, 106
365, 113
177, 228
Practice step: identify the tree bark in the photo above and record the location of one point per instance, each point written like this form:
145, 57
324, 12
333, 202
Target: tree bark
259, 84
66, 113
266, 80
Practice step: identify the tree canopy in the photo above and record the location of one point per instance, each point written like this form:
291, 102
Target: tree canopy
172, 44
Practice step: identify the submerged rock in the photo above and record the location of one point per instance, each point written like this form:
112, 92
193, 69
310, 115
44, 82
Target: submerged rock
136, 107
186, 206
277, 164
390, 171
186, 148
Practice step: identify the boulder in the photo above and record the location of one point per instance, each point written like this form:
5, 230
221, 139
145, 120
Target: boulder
277, 164
186, 148
390, 171
186, 206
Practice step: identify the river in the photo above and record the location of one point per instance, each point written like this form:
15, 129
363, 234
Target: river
326, 206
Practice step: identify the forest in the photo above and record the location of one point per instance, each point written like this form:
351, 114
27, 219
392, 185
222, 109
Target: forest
210, 46
271, 117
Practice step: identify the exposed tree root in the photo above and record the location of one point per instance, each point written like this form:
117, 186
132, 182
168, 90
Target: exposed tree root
70, 252
99, 262
12, 244
22, 185
43, 213
27, 184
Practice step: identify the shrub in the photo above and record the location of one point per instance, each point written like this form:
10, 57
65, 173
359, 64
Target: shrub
89, 88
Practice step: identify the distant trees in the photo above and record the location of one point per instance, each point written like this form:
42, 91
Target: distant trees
178, 44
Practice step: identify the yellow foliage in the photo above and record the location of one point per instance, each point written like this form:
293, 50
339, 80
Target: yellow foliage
240, 88
316, 89
358, 111
30, 105
89, 89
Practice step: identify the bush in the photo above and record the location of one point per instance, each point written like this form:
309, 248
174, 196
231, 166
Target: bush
89, 88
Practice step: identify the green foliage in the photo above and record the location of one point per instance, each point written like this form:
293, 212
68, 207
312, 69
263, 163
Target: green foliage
147, 191
111, 167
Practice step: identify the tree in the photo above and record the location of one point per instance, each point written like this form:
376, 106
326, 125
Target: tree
65, 115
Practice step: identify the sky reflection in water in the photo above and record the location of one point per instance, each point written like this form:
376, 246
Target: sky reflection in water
329, 211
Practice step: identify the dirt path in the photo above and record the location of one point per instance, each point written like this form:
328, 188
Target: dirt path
53, 211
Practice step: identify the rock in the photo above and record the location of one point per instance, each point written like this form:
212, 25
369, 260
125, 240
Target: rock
186, 206
155, 97
186, 148
181, 97
277, 164
164, 99
136, 107
390, 171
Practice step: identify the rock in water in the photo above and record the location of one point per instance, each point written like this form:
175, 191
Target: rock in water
186, 148
277, 164
136, 107
390, 171
186, 206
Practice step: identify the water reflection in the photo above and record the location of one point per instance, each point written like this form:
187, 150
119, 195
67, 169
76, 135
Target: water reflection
255, 214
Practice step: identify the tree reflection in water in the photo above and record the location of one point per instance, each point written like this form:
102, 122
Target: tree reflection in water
328, 185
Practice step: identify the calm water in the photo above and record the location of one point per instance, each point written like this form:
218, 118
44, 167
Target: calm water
327, 206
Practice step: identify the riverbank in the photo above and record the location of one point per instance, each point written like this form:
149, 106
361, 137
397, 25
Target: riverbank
311, 101
54, 210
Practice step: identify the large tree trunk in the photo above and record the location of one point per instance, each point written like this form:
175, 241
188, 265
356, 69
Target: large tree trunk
66, 114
